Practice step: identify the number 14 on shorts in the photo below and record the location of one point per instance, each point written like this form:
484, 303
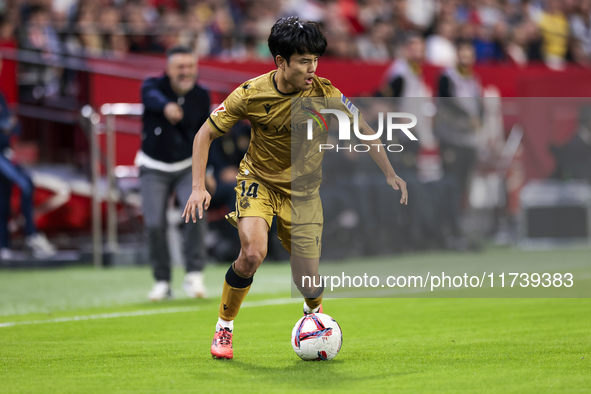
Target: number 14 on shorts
253, 189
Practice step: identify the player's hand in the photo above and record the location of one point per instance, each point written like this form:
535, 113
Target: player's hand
173, 112
198, 201
398, 184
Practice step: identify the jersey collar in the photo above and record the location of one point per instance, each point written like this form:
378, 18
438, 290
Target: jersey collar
277, 89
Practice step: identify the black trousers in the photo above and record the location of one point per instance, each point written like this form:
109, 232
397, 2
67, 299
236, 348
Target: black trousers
156, 188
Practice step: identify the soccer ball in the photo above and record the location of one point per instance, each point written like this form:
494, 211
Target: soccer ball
316, 337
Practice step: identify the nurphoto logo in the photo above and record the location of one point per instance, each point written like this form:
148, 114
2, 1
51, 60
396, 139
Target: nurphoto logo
392, 124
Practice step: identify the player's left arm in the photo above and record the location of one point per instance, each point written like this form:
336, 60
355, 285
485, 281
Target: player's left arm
381, 159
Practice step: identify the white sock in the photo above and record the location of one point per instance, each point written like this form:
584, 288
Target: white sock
224, 324
308, 310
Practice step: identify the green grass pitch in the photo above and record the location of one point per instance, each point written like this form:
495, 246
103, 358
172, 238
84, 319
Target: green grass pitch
81, 330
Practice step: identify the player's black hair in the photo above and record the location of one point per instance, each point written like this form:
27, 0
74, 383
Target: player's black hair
178, 49
291, 35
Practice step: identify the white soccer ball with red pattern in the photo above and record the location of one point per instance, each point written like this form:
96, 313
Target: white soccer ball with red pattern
317, 337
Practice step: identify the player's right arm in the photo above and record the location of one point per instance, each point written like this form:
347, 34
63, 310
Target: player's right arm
200, 197
219, 122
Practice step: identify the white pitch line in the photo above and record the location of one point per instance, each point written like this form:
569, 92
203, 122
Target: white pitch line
146, 312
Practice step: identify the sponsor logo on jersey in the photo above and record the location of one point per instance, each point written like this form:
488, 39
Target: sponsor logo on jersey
282, 128
267, 107
221, 108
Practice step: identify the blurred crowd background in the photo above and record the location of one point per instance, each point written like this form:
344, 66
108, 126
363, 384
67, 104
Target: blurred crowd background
62, 55
503, 31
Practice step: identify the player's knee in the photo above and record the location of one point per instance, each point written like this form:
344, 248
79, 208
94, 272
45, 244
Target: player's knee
253, 257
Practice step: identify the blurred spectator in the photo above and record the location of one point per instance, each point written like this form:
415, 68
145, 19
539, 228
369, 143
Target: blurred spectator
377, 45
7, 30
524, 44
13, 174
175, 109
200, 36
405, 81
421, 12
489, 13
490, 41
38, 36
404, 78
457, 124
400, 16
172, 28
340, 44
434, 214
440, 49
580, 24
373, 10
554, 27
109, 20
236, 30
39, 33
573, 159
577, 54
459, 116
118, 43
87, 40
137, 28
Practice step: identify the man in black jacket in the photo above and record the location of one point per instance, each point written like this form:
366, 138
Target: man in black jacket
175, 108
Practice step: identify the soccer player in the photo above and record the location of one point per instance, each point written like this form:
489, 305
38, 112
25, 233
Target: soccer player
264, 180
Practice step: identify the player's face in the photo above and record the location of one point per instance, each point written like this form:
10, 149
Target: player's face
182, 71
300, 70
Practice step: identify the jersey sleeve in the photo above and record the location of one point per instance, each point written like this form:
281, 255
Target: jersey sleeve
229, 112
339, 101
